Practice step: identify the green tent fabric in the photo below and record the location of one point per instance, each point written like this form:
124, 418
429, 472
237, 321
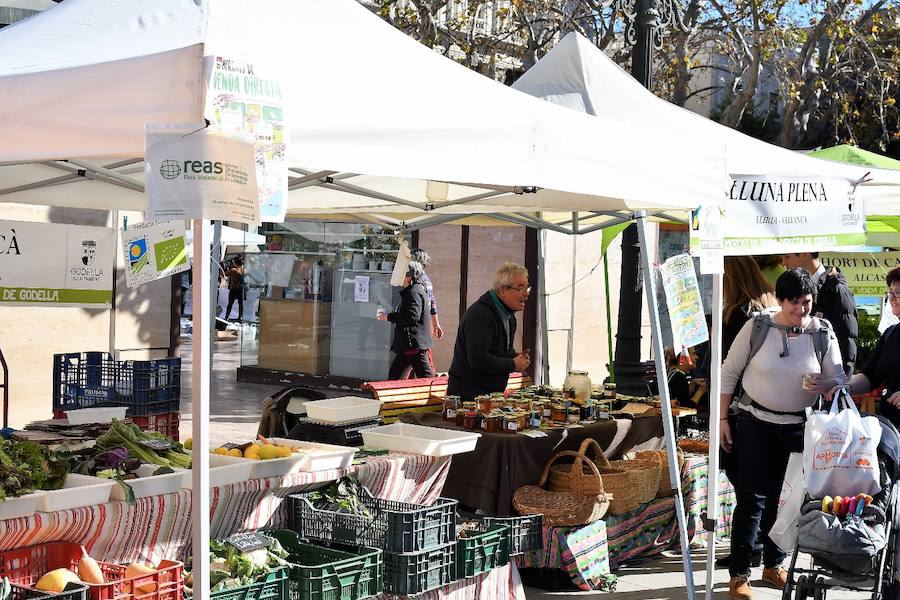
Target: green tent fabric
609, 234
846, 153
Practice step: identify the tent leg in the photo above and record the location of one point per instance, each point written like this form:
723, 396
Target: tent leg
200, 408
542, 370
115, 274
715, 386
668, 425
570, 350
609, 335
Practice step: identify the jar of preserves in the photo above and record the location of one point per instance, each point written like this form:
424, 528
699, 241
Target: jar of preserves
486, 404
471, 419
578, 387
451, 407
558, 413
492, 423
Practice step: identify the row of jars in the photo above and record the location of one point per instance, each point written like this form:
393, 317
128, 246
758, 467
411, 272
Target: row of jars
496, 414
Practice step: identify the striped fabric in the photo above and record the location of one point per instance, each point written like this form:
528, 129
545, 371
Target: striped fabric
159, 527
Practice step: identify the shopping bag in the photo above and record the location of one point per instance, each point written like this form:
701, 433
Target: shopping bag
839, 450
793, 491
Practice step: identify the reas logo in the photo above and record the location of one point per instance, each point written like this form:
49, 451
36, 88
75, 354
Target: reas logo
170, 169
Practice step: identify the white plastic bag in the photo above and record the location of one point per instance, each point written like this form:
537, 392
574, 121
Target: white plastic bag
401, 264
839, 451
793, 490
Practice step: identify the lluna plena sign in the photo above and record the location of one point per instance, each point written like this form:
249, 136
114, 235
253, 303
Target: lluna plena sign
55, 264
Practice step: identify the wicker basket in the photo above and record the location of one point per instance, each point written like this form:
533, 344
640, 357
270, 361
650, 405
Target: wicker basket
622, 484
561, 508
646, 475
691, 446
662, 458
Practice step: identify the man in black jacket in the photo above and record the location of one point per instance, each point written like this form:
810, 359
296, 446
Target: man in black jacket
483, 356
834, 302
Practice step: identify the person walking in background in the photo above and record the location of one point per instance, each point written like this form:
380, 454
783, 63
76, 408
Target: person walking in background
834, 302
424, 259
483, 356
236, 288
412, 327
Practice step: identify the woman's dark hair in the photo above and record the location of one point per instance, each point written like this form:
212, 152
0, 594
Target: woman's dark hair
892, 276
415, 271
794, 283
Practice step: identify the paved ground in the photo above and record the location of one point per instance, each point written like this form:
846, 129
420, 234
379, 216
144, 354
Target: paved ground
234, 415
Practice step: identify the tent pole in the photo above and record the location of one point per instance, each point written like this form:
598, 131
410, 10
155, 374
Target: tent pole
668, 425
115, 274
570, 350
544, 371
200, 367
715, 388
609, 335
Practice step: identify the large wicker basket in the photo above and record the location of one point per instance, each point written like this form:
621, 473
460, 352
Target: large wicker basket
561, 508
622, 484
662, 458
646, 474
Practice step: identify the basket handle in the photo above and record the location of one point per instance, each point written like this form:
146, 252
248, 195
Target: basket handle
578, 460
599, 457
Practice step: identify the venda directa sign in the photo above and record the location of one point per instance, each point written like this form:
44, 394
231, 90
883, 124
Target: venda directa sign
49, 263
864, 271
774, 215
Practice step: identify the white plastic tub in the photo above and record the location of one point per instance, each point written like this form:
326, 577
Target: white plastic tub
418, 439
103, 414
148, 484
23, 506
321, 457
342, 410
223, 470
80, 490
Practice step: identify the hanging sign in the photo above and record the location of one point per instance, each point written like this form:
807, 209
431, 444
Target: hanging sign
199, 174
865, 271
707, 237
775, 215
49, 263
154, 250
240, 102
684, 302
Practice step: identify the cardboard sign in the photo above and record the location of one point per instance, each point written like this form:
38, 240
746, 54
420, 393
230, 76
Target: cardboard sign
685, 305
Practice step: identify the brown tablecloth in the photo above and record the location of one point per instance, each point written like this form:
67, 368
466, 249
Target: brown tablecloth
486, 478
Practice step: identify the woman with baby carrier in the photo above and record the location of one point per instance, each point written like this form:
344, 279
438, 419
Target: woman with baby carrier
783, 361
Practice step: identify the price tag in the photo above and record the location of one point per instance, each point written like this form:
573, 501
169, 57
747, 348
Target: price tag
248, 542
157, 444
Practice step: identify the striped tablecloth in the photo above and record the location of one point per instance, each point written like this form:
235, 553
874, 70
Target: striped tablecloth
589, 553
159, 527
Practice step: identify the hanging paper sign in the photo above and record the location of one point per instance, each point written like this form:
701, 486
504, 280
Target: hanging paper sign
684, 302
865, 271
239, 101
201, 174
775, 215
707, 237
361, 288
154, 250
49, 263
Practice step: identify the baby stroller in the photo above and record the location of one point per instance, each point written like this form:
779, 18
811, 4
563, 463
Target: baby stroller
858, 557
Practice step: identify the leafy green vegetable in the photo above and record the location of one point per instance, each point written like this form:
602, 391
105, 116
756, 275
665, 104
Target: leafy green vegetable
230, 568
130, 437
342, 496
26, 466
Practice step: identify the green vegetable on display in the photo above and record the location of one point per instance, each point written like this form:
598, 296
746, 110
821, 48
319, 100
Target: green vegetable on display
231, 568
342, 496
26, 467
131, 437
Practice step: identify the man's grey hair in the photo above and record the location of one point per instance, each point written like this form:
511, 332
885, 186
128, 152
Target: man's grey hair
415, 271
420, 256
507, 273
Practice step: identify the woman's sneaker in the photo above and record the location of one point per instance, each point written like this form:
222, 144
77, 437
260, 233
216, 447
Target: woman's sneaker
739, 588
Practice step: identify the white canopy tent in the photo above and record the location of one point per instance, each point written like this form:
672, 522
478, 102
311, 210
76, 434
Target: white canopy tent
577, 75
372, 114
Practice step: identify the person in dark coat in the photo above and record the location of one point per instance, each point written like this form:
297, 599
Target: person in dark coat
483, 356
834, 302
412, 327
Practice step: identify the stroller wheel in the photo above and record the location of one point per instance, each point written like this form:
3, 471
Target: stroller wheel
819, 589
801, 589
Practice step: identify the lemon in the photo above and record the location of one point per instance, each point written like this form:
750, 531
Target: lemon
252, 451
283, 451
267, 452
188, 443
220, 450
235, 452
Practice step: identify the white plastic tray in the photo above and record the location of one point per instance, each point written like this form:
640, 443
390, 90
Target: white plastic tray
327, 457
343, 409
418, 439
79, 490
223, 470
103, 414
148, 484
23, 506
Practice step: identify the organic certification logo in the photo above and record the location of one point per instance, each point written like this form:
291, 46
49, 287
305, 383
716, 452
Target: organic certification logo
137, 255
170, 169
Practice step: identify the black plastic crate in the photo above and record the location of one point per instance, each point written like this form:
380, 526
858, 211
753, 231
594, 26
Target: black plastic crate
417, 572
76, 592
483, 549
394, 526
321, 573
526, 533
90, 379
273, 587
349, 434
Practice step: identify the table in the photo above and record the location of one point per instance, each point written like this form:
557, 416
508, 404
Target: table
159, 527
487, 478
589, 554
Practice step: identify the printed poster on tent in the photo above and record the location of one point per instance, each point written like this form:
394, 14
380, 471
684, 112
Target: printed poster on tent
154, 250
56, 265
241, 102
776, 215
684, 302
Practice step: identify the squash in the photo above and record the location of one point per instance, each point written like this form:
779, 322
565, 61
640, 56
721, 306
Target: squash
89, 571
56, 581
136, 570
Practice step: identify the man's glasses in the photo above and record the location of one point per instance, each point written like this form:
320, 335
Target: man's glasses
526, 289
893, 295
